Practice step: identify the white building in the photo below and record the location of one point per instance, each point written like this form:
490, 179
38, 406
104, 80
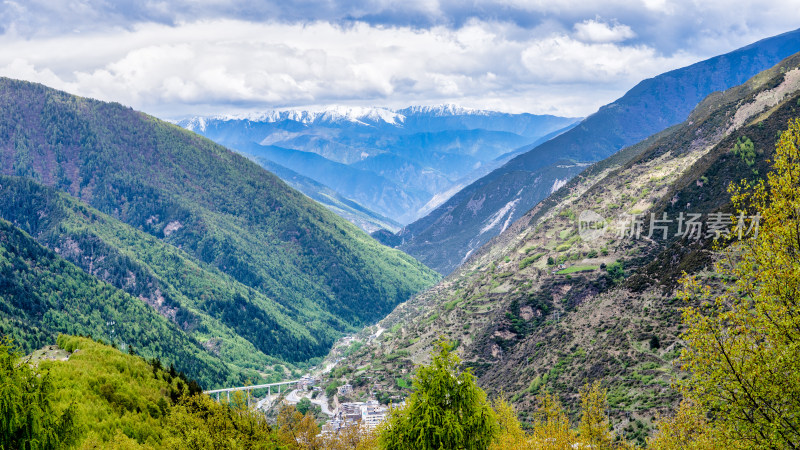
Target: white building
369, 414
373, 414
345, 389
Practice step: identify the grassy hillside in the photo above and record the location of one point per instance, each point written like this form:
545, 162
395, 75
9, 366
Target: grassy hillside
527, 325
227, 240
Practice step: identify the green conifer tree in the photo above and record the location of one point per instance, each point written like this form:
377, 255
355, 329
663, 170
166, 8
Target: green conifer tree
447, 410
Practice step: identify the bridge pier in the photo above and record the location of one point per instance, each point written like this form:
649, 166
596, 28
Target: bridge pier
249, 389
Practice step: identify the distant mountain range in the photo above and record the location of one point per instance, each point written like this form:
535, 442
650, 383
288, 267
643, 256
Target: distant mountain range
449, 234
395, 165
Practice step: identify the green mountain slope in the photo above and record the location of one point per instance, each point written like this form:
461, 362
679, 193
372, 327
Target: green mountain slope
271, 265
233, 322
610, 314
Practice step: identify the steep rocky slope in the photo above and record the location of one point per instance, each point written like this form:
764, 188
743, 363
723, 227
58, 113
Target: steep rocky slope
548, 306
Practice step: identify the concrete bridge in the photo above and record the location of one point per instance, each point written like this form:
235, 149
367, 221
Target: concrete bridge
269, 386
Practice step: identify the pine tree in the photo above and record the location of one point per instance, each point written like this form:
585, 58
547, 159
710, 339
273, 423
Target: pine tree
446, 410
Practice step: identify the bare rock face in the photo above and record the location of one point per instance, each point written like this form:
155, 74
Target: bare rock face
172, 227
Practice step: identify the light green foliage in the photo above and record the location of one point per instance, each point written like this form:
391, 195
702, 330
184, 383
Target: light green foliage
446, 410
198, 422
353, 348
402, 383
550, 429
563, 247
330, 389
745, 150
303, 406
116, 391
451, 305
568, 213
530, 260
743, 345
593, 429
123, 401
575, 269
688, 429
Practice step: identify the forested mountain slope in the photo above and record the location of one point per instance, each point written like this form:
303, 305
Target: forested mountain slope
226, 319
446, 237
41, 295
545, 306
208, 229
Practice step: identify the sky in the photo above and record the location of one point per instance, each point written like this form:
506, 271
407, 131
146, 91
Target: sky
179, 58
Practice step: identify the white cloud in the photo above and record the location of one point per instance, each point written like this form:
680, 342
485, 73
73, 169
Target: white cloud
660, 6
224, 65
562, 59
567, 57
596, 31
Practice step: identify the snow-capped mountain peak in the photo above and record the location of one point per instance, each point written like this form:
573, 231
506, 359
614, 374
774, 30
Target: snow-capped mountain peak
196, 124
447, 109
330, 114
360, 115
337, 114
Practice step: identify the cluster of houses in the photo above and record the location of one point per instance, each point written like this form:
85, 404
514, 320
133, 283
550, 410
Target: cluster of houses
370, 414
307, 382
